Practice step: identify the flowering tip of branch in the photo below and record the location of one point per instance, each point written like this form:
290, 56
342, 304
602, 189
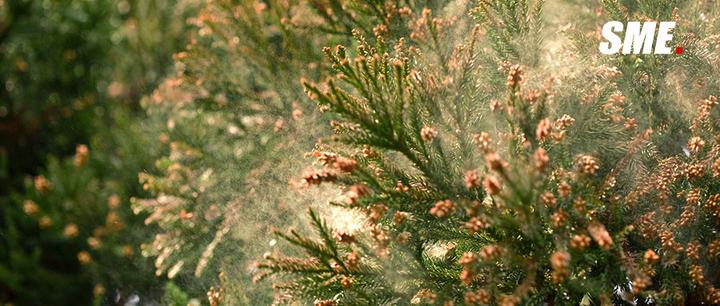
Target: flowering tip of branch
540, 159
355, 192
428, 134
600, 235
442, 209
495, 162
318, 177
492, 185
695, 144
472, 179
514, 76
588, 164
543, 129
344, 164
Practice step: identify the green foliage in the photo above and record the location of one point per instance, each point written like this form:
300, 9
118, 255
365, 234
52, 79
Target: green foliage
61, 61
513, 28
76, 222
175, 296
236, 101
554, 220
223, 153
72, 72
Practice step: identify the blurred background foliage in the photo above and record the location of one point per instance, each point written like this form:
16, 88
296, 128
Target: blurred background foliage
72, 140
236, 123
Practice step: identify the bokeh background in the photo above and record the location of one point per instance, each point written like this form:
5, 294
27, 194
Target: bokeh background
72, 74
144, 149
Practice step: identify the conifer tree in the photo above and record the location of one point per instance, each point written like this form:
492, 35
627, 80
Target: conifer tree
486, 151
236, 119
71, 144
488, 176
229, 119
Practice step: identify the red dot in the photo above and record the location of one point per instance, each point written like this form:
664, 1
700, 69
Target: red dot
679, 50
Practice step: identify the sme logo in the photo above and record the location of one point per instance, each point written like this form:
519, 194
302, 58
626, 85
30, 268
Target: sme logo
639, 38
